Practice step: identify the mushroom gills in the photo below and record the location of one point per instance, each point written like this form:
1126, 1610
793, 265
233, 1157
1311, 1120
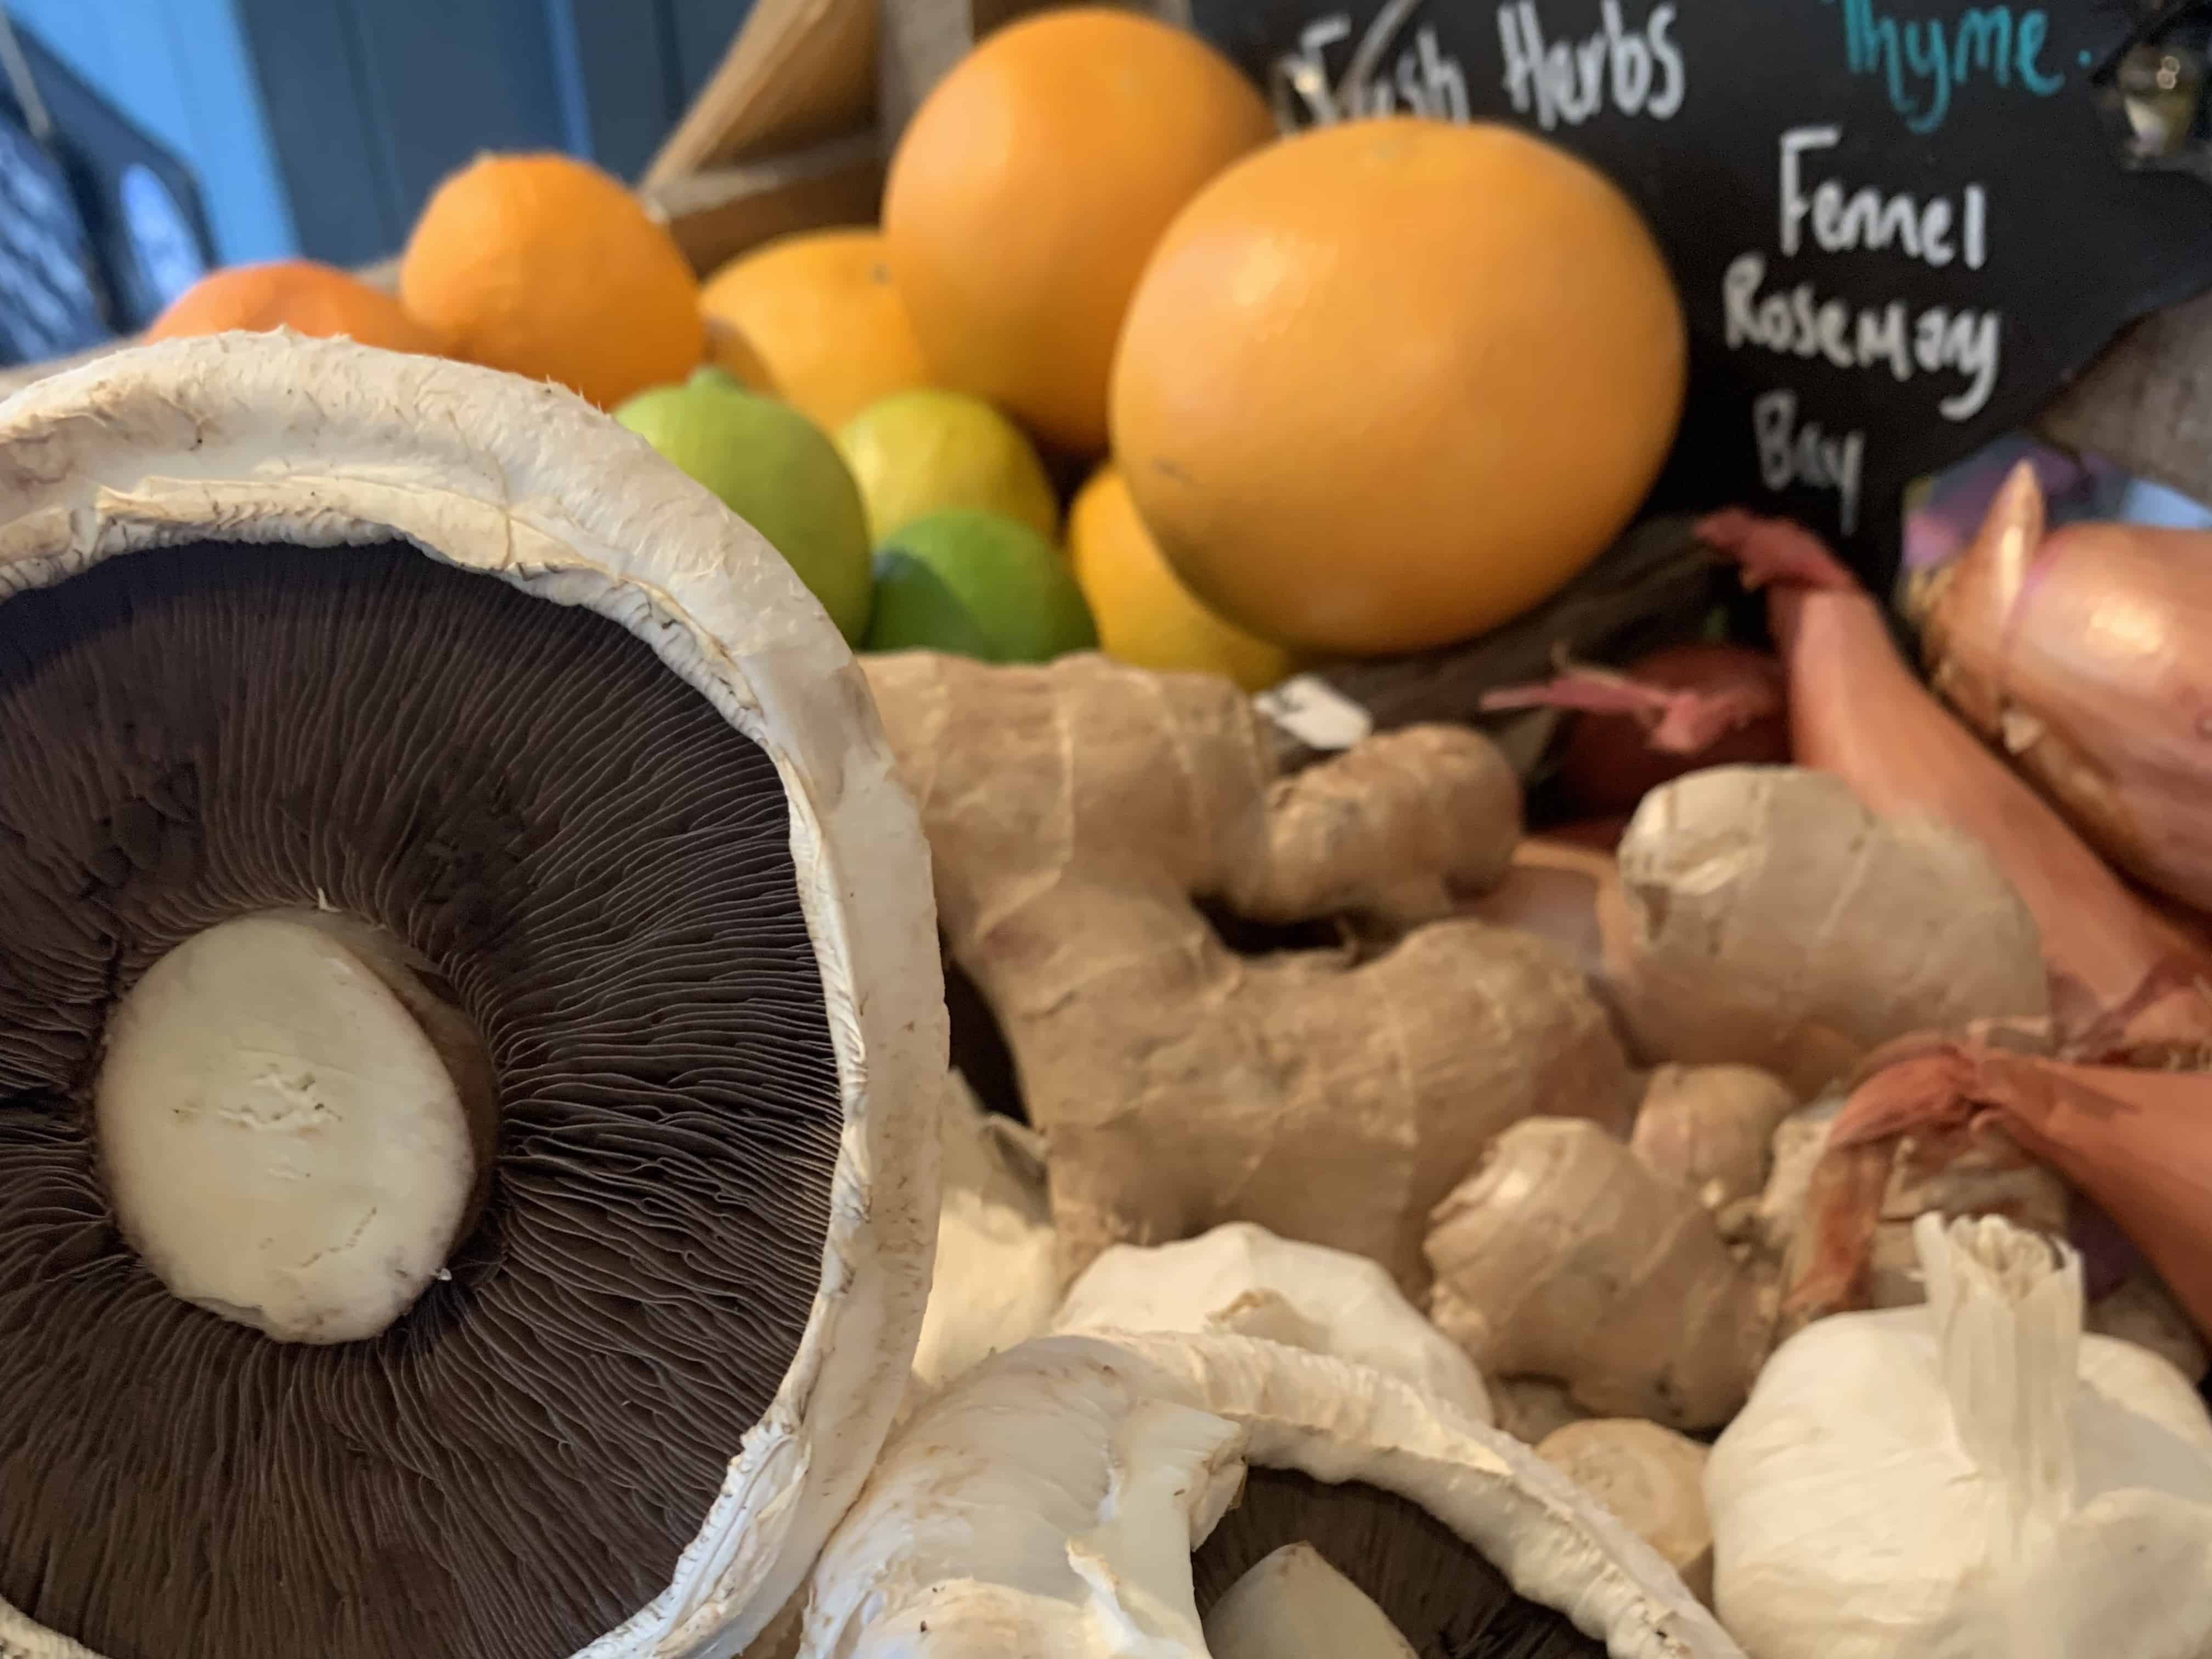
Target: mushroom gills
575, 878
1295, 1606
1439, 1592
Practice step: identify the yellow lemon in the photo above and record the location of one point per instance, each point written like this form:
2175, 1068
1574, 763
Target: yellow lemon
1146, 615
922, 452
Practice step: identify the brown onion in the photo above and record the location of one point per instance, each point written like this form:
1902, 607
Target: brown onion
2076, 654
2122, 978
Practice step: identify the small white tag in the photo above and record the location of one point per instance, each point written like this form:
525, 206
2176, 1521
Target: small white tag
1316, 713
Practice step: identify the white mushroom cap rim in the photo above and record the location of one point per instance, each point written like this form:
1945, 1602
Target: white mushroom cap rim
600, 866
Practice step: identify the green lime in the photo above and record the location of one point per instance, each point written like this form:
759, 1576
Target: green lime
777, 471
922, 452
979, 585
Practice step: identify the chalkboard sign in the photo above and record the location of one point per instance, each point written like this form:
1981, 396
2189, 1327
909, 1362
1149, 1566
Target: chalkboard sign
1899, 226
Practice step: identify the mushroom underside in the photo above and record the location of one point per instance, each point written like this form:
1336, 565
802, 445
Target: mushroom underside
597, 868
1441, 1592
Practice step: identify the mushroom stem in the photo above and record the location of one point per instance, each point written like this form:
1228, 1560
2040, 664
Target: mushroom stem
1294, 1605
292, 1124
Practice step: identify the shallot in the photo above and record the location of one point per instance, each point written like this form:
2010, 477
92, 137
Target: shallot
2075, 651
2139, 1142
2122, 979
1667, 714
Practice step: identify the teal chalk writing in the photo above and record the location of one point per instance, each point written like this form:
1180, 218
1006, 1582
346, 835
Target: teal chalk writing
1922, 61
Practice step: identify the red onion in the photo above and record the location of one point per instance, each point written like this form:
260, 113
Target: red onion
2122, 978
1672, 712
2076, 653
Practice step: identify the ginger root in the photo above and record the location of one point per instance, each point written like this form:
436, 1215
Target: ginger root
1570, 894
1709, 1128
1564, 1256
1652, 1479
1076, 814
1776, 923
1532, 1408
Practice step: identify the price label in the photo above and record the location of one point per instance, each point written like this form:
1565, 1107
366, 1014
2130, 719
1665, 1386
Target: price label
1316, 714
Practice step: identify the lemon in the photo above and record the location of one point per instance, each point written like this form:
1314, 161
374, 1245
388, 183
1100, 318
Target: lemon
775, 469
1146, 615
979, 584
920, 451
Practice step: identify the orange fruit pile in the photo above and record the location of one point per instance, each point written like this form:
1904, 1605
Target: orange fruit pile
1387, 384
1029, 188
545, 266
295, 293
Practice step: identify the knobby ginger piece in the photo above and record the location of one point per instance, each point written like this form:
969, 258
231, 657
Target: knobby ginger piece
1077, 812
1650, 1476
1709, 1128
1564, 1256
1776, 923
1532, 1408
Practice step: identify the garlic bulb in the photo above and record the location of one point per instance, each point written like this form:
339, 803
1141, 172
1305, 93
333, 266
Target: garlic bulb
2140, 1310
997, 1276
1240, 1278
1048, 1503
1973, 1476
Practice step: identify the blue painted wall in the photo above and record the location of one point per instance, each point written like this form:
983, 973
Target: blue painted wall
181, 69
317, 127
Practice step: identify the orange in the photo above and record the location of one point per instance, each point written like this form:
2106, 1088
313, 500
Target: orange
1390, 384
729, 350
296, 294
545, 266
1146, 615
820, 315
1029, 188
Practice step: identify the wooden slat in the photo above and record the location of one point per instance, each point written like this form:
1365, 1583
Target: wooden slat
717, 214
2146, 404
799, 71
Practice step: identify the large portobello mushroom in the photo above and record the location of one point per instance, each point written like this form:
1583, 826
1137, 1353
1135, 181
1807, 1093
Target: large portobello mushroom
469, 1027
